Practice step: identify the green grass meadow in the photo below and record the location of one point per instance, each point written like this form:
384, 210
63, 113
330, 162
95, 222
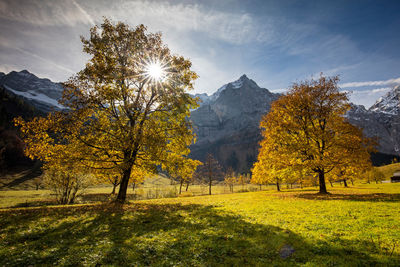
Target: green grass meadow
355, 226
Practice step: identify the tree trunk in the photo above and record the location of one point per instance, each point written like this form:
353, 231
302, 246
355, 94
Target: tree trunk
209, 190
180, 186
352, 182
187, 186
123, 187
345, 183
322, 185
331, 183
133, 187
277, 186
113, 191
260, 186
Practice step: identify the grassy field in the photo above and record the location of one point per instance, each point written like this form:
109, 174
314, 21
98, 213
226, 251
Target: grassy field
154, 187
356, 226
17, 189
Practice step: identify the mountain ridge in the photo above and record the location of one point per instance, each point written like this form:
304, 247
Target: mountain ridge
42, 93
227, 122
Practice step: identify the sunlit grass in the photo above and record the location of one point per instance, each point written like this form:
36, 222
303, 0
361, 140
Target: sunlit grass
356, 226
154, 187
157, 186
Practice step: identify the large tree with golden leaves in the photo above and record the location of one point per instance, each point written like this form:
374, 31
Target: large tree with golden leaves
307, 130
126, 110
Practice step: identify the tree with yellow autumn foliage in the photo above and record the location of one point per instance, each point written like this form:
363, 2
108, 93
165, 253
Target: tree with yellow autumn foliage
307, 130
126, 111
230, 179
181, 168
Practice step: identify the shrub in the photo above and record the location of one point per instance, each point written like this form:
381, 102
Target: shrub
67, 184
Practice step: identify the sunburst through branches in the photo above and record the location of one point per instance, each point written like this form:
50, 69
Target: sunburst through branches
156, 71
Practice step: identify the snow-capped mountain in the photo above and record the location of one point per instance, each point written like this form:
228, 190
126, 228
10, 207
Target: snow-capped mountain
206, 99
381, 120
389, 103
43, 94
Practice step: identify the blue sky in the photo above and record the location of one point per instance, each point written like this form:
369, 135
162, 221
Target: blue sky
275, 43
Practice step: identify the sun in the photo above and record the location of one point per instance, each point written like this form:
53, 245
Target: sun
155, 71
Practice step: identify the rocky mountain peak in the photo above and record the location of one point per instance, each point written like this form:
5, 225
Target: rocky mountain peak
389, 103
357, 109
41, 93
230, 120
23, 74
239, 83
242, 82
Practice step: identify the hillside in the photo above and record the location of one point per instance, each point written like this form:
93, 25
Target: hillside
388, 170
11, 145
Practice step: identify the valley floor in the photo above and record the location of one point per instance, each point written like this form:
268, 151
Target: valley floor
358, 226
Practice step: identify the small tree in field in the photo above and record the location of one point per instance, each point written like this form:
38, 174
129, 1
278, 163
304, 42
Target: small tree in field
38, 181
126, 109
182, 168
307, 129
138, 176
243, 179
210, 171
230, 179
374, 174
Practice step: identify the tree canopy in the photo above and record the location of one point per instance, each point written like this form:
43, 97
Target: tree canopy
126, 111
306, 131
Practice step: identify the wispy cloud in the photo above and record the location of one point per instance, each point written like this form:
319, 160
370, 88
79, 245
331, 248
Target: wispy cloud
45, 12
83, 11
7, 68
393, 81
44, 60
279, 91
367, 97
368, 92
236, 28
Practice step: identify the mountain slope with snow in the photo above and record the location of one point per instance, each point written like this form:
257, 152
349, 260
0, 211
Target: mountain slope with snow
381, 120
389, 103
43, 94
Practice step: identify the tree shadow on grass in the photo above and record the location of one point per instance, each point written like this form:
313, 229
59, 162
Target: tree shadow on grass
158, 235
373, 197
